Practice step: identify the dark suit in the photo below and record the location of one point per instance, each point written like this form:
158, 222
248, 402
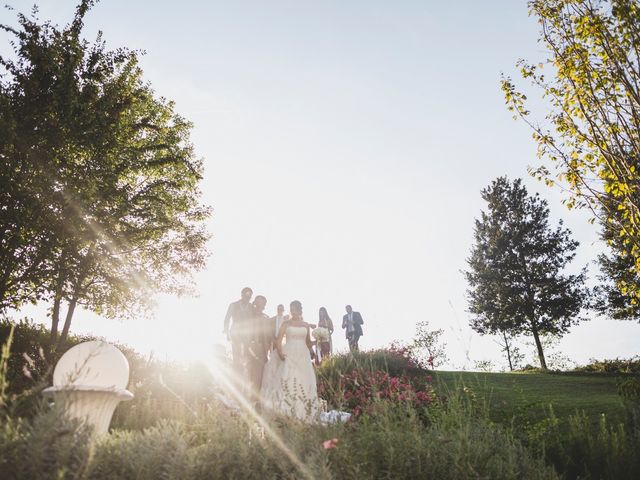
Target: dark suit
353, 331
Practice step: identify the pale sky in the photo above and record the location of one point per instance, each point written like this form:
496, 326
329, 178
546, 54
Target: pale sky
345, 147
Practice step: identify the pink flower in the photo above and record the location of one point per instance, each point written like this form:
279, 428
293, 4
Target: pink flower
331, 443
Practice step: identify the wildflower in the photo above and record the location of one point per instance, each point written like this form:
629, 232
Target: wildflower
331, 443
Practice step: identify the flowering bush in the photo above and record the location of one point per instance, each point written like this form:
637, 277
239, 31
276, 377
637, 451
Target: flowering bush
362, 389
368, 382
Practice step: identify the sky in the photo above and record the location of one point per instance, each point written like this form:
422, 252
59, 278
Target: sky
345, 145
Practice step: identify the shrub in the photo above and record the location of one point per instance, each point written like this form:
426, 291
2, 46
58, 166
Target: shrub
163, 390
362, 389
579, 449
356, 381
617, 365
44, 447
394, 443
629, 390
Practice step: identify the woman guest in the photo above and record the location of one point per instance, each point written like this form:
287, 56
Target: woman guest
325, 345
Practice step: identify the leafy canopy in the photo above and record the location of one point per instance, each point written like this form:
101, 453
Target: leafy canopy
100, 201
592, 133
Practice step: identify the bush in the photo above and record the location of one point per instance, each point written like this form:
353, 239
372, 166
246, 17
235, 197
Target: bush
44, 447
629, 390
163, 390
360, 390
356, 381
392, 444
617, 365
578, 449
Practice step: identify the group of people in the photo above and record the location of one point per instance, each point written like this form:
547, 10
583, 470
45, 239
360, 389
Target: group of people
272, 356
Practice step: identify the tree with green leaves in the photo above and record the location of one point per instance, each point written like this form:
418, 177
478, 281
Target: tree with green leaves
618, 277
104, 206
592, 133
517, 283
428, 344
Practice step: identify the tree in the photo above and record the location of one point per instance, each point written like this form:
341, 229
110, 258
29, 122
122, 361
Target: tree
428, 345
511, 351
614, 295
593, 128
106, 170
516, 279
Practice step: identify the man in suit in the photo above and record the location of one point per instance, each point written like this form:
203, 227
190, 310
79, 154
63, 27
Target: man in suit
239, 333
276, 323
352, 322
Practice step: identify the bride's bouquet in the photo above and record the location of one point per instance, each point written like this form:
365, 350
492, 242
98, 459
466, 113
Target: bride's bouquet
321, 334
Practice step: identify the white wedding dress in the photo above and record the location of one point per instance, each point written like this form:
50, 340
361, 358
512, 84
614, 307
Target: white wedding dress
290, 388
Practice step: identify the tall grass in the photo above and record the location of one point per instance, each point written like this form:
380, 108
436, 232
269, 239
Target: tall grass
395, 443
184, 433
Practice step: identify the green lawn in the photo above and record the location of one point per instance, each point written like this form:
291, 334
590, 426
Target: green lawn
525, 396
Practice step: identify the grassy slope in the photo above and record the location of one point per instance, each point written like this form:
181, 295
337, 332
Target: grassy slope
524, 397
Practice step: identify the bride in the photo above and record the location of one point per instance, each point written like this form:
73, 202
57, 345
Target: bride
291, 388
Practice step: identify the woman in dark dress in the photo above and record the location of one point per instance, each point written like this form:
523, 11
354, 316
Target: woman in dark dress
324, 321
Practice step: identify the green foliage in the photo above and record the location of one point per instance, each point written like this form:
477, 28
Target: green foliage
46, 447
615, 294
163, 390
455, 440
617, 365
102, 205
593, 139
579, 449
515, 275
428, 345
395, 444
629, 389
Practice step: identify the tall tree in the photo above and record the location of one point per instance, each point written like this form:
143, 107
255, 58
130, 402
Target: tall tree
116, 200
615, 293
592, 133
516, 279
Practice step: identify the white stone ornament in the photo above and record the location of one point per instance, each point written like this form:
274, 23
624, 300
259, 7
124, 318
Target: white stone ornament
90, 380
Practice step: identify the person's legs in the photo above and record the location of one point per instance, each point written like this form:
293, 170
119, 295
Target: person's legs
256, 367
237, 351
356, 338
350, 339
324, 350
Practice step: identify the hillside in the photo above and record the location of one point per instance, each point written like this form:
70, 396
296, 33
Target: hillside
527, 395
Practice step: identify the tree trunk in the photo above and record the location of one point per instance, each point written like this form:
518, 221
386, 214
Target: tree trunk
67, 320
57, 300
508, 350
55, 319
536, 337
